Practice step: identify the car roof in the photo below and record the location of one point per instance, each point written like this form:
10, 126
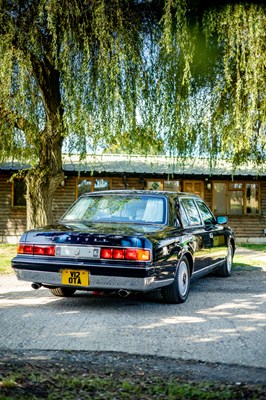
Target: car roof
142, 192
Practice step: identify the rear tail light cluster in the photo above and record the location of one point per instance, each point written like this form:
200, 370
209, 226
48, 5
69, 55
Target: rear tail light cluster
34, 249
105, 253
125, 254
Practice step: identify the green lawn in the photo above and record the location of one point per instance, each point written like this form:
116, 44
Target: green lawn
7, 252
258, 247
248, 260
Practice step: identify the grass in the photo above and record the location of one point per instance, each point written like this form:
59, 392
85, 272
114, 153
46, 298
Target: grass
247, 260
65, 381
256, 247
7, 252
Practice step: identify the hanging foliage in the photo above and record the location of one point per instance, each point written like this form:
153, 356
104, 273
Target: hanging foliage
214, 79
96, 75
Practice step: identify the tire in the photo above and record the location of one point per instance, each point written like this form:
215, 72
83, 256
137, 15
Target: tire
225, 269
62, 291
178, 291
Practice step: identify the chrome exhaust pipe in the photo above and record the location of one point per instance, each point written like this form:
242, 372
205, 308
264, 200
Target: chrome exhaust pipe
36, 286
123, 293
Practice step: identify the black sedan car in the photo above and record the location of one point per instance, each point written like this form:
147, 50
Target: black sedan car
127, 241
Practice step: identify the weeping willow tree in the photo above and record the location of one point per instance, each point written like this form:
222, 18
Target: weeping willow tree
137, 73
213, 90
68, 69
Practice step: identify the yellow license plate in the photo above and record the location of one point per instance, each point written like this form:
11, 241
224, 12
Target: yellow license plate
75, 278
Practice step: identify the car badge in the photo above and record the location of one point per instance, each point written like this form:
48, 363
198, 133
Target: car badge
76, 252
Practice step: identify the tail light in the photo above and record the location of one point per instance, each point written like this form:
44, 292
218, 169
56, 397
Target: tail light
42, 250
106, 252
125, 254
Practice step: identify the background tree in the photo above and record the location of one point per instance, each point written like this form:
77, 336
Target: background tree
85, 75
67, 67
220, 104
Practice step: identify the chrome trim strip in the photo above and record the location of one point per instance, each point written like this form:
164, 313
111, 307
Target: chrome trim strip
96, 281
65, 262
210, 267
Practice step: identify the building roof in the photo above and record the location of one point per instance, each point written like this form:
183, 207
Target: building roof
147, 165
155, 165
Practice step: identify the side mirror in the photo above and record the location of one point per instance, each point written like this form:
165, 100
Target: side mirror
222, 220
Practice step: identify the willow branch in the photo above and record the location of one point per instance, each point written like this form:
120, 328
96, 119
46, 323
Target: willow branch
19, 122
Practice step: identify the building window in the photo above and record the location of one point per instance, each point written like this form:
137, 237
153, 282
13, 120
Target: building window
155, 185
252, 198
18, 193
196, 187
219, 198
92, 185
101, 184
169, 186
235, 198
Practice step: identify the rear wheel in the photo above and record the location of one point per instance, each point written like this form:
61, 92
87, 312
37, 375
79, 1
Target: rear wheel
62, 291
225, 269
177, 292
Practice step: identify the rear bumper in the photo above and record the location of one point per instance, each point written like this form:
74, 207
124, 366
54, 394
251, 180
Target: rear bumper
96, 281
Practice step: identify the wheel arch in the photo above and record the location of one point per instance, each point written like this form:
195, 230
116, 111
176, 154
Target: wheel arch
232, 242
189, 257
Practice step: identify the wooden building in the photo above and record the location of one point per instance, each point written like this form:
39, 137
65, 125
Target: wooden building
240, 194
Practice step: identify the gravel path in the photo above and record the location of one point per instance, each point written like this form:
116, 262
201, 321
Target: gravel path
222, 323
221, 326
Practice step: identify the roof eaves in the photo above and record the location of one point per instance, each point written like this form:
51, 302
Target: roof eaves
160, 165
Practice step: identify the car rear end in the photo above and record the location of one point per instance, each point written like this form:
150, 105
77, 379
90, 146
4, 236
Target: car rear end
85, 261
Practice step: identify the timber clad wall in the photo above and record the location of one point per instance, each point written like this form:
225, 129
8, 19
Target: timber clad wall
208, 198
13, 219
263, 198
64, 197
134, 183
248, 226
118, 183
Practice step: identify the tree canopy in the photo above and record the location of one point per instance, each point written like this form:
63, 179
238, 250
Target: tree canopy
176, 76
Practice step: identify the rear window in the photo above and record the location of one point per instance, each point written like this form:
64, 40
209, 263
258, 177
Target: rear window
118, 208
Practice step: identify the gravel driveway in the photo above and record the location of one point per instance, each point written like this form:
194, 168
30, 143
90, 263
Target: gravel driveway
223, 321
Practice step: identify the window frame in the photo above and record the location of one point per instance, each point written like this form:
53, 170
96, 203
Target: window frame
14, 181
161, 182
182, 206
92, 180
206, 222
243, 190
194, 182
245, 198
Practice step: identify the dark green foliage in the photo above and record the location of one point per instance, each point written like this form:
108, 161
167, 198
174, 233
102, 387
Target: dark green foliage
98, 75
191, 73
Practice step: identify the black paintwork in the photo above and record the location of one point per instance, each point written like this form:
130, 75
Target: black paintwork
203, 245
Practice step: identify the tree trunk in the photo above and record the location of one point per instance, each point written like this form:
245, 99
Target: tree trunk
42, 182
43, 179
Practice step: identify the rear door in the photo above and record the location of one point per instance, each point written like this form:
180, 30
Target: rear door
216, 233
193, 224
